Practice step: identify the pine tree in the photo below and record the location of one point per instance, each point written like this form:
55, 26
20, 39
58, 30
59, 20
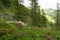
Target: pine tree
43, 19
58, 15
21, 11
34, 11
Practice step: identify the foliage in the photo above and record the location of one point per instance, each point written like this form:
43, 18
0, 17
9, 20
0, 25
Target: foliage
27, 33
39, 29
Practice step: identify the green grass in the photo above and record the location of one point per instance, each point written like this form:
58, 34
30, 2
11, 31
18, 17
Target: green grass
28, 33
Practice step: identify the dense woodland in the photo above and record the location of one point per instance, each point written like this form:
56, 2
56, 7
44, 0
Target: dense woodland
18, 22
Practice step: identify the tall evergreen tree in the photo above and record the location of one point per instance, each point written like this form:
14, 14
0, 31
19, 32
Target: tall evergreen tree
58, 15
21, 11
34, 11
37, 18
43, 19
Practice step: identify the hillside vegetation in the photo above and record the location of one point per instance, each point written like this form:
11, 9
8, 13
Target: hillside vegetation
38, 24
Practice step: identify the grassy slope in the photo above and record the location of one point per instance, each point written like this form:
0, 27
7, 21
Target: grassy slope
13, 32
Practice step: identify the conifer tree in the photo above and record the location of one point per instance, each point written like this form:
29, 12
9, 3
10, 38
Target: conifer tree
34, 11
